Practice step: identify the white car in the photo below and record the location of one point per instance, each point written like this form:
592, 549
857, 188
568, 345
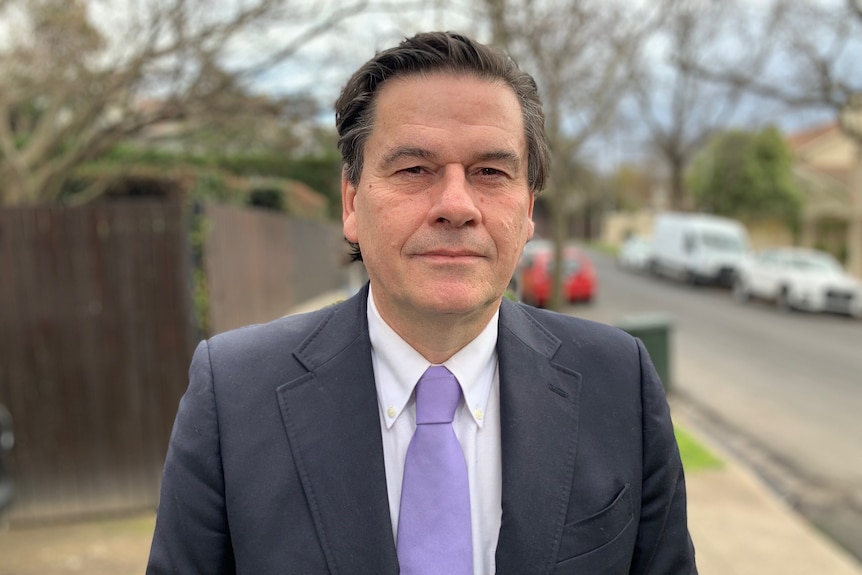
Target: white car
635, 253
800, 279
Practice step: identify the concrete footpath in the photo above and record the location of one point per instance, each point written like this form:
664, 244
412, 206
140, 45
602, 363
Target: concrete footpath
739, 526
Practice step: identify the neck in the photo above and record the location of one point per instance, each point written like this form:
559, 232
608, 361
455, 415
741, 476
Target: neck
437, 336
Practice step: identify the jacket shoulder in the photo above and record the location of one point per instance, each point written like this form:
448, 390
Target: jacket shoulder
290, 337
278, 332
569, 330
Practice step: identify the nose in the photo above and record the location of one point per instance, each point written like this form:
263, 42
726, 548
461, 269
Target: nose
454, 200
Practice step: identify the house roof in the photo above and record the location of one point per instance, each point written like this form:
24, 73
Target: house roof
800, 140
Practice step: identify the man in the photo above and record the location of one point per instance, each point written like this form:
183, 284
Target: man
293, 449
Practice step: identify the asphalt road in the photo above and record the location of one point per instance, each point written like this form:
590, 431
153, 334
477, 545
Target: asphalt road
782, 390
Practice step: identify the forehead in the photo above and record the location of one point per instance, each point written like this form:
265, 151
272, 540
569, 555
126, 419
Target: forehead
446, 104
444, 86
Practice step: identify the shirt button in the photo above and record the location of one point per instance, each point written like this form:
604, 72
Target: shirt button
479, 414
391, 412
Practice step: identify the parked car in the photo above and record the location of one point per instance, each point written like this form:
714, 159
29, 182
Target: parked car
635, 253
536, 274
801, 279
697, 248
7, 439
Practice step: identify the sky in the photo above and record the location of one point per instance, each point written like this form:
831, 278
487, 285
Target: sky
326, 63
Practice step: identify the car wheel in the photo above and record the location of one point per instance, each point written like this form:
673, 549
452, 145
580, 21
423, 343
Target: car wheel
783, 302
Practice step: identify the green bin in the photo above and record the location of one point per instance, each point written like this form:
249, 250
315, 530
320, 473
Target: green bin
654, 329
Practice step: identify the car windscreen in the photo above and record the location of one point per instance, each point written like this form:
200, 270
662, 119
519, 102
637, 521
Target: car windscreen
815, 264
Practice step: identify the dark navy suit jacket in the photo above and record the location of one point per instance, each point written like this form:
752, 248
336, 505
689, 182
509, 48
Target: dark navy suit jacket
275, 463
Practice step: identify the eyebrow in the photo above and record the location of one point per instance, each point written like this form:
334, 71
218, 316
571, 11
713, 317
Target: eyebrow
401, 152
509, 158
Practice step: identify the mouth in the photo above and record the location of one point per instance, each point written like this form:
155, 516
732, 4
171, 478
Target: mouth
450, 255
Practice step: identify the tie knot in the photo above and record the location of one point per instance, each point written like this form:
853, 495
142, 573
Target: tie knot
437, 395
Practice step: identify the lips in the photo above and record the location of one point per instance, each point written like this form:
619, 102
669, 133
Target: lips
454, 249
449, 253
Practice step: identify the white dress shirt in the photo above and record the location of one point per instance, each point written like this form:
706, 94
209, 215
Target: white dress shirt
397, 369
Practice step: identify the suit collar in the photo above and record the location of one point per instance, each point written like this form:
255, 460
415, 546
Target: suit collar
539, 402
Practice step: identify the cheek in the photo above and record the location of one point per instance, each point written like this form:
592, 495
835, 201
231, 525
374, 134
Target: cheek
385, 222
398, 212
520, 228
512, 234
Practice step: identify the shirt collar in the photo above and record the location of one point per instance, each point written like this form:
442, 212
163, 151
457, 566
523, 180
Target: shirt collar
399, 367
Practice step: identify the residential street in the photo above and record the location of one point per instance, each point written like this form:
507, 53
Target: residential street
783, 391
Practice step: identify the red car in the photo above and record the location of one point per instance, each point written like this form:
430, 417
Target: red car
536, 271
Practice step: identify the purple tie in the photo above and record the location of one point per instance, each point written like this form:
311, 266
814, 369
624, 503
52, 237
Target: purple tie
434, 534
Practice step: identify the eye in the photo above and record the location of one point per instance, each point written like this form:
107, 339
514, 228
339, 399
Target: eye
491, 172
412, 171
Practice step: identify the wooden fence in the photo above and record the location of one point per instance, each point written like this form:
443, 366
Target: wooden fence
97, 327
95, 339
259, 264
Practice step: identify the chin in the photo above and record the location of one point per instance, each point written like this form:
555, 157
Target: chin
447, 302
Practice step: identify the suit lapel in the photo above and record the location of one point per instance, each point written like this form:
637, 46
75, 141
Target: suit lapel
539, 428
332, 422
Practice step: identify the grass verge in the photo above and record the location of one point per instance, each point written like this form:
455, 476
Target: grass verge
695, 457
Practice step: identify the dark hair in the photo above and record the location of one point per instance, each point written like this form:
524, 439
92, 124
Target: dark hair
436, 52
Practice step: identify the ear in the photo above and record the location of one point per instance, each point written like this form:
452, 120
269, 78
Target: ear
348, 209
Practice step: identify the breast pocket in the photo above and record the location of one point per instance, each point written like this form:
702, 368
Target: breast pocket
602, 542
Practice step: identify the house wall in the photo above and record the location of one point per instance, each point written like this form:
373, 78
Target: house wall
832, 151
617, 226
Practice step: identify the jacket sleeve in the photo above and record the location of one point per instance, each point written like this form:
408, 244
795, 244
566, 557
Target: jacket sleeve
192, 534
663, 545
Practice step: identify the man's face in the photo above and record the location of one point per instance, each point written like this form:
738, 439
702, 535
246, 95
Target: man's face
443, 208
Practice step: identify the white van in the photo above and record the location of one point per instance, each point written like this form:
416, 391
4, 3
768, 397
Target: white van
697, 248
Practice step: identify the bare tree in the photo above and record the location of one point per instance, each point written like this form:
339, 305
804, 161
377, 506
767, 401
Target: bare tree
808, 54
679, 108
75, 74
581, 53
813, 56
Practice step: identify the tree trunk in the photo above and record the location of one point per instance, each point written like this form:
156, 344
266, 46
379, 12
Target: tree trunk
678, 199
14, 189
559, 236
